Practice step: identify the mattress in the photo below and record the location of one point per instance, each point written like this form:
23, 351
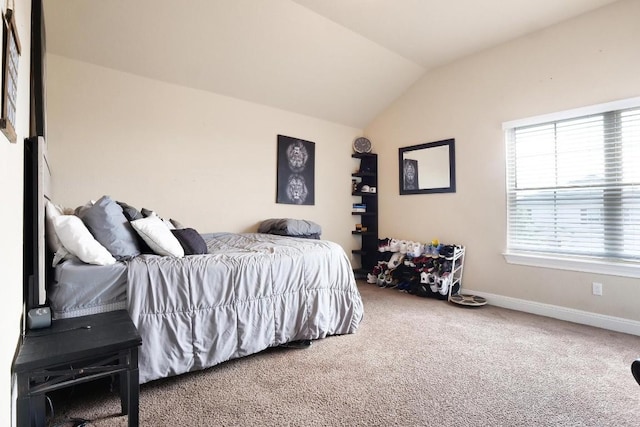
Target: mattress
79, 289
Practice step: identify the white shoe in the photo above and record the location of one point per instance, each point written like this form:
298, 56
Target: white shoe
395, 260
428, 279
394, 245
433, 282
372, 278
444, 282
410, 249
388, 280
417, 249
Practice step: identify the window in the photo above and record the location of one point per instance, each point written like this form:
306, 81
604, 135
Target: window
573, 183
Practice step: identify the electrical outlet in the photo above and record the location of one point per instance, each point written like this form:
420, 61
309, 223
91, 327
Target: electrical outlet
597, 288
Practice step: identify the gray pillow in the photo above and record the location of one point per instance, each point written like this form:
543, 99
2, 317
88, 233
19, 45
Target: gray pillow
177, 224
111, 229
289, 227
129, 211
146, 212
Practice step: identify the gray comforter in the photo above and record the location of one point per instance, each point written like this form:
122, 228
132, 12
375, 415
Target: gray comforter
251, 292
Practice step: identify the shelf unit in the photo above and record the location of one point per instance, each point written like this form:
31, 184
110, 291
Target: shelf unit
367, 174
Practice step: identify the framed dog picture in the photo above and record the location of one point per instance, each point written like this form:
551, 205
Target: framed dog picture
296, 171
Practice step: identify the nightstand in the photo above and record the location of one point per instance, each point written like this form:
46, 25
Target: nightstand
73, 351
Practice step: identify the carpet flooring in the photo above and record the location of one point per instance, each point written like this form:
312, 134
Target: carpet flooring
413, 362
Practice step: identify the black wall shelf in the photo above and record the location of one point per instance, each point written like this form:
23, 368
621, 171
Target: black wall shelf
367, 174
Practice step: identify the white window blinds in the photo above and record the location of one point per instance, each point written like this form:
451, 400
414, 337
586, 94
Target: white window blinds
573, 185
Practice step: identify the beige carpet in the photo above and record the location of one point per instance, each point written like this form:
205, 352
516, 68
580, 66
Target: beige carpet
412, 362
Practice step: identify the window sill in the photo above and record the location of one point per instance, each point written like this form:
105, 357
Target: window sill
574, 264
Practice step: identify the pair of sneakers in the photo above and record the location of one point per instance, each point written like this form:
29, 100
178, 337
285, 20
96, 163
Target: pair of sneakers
383, 244
388, 245
385, 280
433, 250
406, 247
395, 245
382, 280
414, 249
437, 283
430, 280
378, 269
448, 251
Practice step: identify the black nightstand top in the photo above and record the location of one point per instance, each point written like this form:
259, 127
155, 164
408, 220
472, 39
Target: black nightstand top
75, 339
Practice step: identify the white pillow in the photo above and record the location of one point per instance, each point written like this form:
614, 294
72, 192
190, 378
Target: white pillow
76, 238
51, 211
59, 252
158, 236
166, 221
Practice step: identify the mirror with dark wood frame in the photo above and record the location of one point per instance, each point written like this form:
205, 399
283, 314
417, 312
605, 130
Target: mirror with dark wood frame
428, 168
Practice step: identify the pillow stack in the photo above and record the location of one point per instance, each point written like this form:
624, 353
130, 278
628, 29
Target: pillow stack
107, 231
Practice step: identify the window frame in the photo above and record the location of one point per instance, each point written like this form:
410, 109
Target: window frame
587, 264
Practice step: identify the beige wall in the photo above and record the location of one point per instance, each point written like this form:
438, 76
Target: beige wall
11, 214
591, 59
206, 160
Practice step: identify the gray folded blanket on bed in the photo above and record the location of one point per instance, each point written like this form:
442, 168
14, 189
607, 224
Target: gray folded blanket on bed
290, 227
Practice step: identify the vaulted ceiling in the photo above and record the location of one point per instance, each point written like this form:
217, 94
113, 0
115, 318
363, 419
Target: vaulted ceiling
340, 60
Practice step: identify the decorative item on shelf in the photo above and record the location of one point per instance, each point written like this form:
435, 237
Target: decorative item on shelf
359, 207
358, 227
362, 145
354, 185
361, 187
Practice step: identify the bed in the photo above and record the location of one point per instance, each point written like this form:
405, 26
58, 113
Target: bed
243, 294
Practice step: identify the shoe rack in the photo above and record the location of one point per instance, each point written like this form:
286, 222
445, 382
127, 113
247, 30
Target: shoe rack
365, 220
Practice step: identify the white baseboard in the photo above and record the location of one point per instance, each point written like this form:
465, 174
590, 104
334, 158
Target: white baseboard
617, 324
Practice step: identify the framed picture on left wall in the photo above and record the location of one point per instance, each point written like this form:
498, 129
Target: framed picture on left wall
296, 171
10, 56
